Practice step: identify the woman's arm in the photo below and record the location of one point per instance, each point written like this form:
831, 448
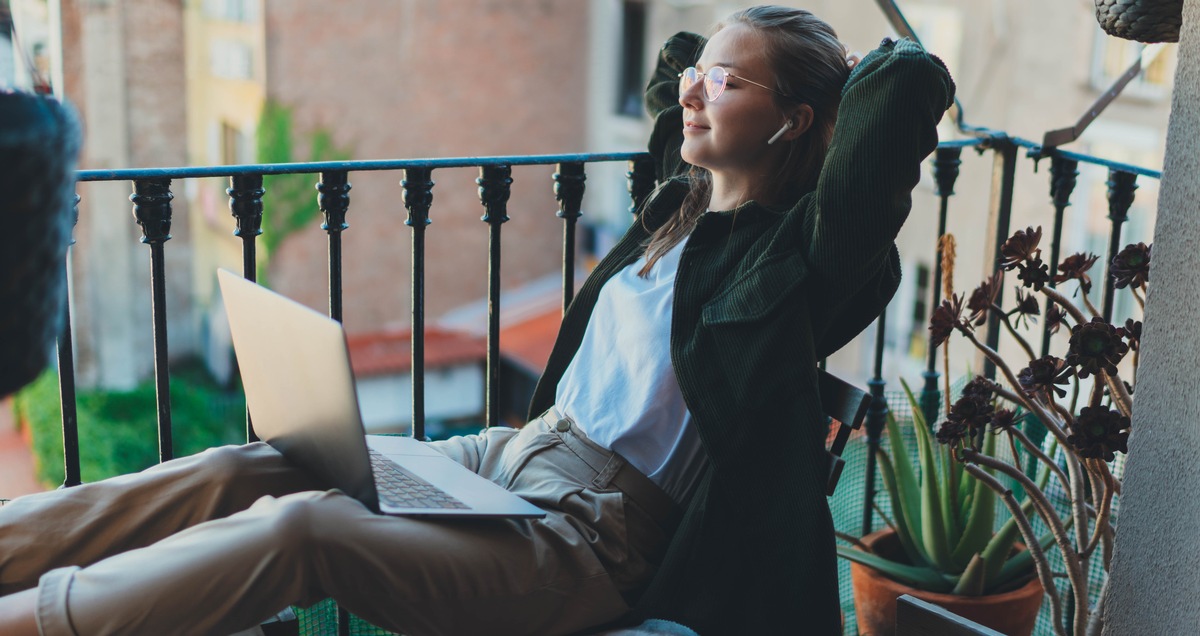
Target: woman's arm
662, 101
887, 124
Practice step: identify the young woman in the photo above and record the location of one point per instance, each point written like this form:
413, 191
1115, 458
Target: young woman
676, 437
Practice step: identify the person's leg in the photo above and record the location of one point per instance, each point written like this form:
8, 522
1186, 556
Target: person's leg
84, 524
18, 615
405, 574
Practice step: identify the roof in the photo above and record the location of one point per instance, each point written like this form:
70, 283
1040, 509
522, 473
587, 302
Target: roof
528, 343
388, 352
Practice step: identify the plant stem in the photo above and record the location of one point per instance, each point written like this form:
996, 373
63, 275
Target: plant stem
1141, 301
1032, 405
1105, 493
1042, 457
1053, 294
1096, 625
1078, 563
1070, 555
1041, 563
1011, 330
1121, 396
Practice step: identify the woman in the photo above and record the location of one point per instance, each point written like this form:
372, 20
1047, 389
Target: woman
675, 438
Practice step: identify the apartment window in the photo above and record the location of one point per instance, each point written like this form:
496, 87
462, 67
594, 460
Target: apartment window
631, 78
232, 10
920, 314
230, 59
1111, 57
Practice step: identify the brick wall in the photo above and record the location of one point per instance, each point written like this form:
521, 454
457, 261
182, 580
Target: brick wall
429, 79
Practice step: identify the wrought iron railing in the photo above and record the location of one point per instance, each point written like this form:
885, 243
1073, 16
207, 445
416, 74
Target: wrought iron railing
152, 210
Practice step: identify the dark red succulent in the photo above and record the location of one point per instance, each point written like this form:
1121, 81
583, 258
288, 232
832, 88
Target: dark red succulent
1020, 247
1045, 374
1076, 267
1099, 433
1131, 266
1095, 346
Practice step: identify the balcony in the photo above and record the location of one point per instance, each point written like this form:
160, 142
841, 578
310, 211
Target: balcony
152, 193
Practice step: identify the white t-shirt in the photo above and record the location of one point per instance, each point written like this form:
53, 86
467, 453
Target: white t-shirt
621, 388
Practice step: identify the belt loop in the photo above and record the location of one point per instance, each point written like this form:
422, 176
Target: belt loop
611, 468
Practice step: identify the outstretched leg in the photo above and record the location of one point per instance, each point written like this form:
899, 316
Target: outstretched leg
82, 525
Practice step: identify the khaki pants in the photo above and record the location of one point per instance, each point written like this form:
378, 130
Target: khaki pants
220, 541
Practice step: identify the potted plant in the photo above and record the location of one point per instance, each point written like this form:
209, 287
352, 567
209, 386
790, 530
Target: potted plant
1086, 440
980, 454
940, 543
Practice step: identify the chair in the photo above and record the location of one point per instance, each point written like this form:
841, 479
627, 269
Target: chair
915, 617
847, 405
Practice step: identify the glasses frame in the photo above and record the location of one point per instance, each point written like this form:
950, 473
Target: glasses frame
702, 76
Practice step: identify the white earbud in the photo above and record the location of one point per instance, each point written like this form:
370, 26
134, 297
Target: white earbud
787, 125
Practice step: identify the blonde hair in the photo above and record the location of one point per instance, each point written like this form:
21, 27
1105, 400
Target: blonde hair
809, 66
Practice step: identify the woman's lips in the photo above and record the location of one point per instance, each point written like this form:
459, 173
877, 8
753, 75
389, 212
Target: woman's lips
693, 127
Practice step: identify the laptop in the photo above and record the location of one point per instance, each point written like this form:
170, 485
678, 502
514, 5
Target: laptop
299, 387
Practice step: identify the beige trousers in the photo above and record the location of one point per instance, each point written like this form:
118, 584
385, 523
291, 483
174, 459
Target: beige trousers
217, 542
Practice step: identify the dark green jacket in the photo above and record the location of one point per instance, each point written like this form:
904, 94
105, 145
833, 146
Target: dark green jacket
760, 295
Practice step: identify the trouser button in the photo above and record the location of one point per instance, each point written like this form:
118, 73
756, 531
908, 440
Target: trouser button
563, 425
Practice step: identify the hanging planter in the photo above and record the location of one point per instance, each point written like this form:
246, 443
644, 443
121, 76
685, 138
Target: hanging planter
39, 145
1141, 20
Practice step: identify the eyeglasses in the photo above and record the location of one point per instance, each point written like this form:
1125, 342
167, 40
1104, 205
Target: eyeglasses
714, 81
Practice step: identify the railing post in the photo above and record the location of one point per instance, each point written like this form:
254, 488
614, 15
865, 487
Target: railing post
568, 190
334, 200
876, 419
152, 208
1004, 169
495, 184
1063, 173
945, 172
245, 204
66, 380
641, 181
418, 197
1121, 186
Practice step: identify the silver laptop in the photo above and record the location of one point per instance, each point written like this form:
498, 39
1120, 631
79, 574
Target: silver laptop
295, 367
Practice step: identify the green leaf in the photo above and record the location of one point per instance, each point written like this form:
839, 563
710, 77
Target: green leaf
971, 582
909, 489
922, 578
1021, 563
933, 525
903, 531
982, 516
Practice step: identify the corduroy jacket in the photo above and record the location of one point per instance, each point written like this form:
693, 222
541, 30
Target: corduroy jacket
761, 294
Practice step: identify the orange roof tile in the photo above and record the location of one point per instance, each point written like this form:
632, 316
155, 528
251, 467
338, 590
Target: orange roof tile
386, 352
529, 342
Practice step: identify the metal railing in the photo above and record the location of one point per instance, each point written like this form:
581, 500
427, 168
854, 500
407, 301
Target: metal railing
152, 197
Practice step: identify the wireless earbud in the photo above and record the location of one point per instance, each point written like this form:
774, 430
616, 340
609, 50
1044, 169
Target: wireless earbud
787, 125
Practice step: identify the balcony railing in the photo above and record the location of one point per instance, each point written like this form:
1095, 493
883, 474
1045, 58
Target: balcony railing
152, 210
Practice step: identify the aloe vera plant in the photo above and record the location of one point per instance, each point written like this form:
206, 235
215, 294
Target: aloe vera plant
945, 520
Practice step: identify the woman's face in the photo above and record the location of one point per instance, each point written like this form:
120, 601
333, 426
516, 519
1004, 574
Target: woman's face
729, 136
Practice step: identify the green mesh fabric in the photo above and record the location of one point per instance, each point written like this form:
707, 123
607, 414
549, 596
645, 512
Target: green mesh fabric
847, 508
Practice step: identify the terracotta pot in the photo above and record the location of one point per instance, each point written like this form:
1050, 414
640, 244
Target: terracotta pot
875, 595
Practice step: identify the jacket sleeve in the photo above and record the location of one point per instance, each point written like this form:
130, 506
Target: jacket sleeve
662, 102
887, 124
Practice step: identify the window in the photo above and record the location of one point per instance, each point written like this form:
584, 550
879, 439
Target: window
232, 10
1111, 57
230, 59
920, 314
631, 77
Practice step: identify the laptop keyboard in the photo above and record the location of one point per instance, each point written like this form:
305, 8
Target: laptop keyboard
398, 487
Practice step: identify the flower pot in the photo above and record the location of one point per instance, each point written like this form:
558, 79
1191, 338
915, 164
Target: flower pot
1013, 613
39, 142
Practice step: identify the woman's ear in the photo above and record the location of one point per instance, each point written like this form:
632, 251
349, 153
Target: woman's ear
802, 119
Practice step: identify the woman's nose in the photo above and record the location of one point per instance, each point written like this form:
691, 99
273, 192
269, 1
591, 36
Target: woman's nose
692, 98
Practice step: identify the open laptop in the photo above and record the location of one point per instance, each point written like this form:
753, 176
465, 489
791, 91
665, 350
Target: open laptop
299, 386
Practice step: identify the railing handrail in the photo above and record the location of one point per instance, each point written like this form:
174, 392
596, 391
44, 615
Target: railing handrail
1036, 150
365, 165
